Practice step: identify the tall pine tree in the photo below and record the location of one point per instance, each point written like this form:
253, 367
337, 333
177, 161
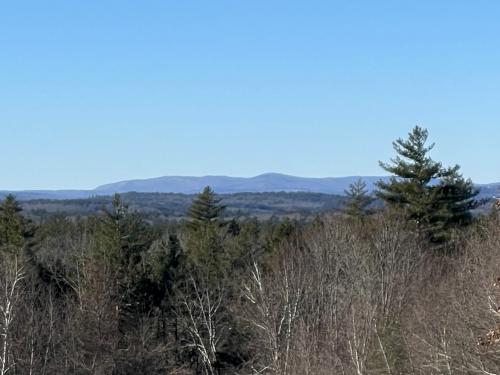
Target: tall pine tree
14, 228
206, 209
437, 199
206, 234
122, 241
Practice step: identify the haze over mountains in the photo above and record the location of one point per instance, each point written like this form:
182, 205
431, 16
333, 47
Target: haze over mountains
268, 182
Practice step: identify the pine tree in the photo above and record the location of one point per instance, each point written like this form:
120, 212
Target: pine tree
174, 265
233, 228
359, 199
14, 228
410, 186
123, 235
435, 198
206, 236
123, 238
455, 197
206, 209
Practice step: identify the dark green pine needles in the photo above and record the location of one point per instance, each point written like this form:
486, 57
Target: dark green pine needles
437, 199
206, 209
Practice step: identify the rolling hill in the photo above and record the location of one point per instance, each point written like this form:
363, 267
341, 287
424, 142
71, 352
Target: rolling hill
264, 183
268, 182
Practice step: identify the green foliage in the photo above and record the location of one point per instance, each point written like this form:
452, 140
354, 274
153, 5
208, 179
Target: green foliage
122, 242
14, 228
249, 239
168, 266
283, 231
205, 236
455, 197
413, 172
233, 228
120, 295
123, 235
359, 200
436, 198
206, 209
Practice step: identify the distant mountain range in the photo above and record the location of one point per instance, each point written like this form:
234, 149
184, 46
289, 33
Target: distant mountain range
268, 182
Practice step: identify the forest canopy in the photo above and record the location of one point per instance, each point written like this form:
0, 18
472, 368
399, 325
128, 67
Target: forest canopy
400, 281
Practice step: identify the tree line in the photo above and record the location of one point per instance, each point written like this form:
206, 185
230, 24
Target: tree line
160, 207
409, 287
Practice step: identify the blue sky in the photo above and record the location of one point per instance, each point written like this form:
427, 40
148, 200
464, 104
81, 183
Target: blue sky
97, 91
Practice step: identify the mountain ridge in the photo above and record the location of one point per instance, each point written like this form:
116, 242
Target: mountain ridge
266, 182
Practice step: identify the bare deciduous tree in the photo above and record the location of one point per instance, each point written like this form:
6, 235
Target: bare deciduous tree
202, 316
12, 275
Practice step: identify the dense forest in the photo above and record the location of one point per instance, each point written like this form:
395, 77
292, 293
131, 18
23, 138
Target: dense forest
407, 287
160, 207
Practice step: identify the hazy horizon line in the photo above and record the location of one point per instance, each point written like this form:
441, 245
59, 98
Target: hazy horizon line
69, 189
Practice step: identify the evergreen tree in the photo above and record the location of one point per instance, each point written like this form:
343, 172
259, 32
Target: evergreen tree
435, 198
233, 228
206, 209
359, 199
455, 197
169, 268
205, 235
14, 228
123, 235
123, 238
282, 231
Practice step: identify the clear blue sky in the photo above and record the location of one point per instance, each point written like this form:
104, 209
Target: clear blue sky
97, 91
